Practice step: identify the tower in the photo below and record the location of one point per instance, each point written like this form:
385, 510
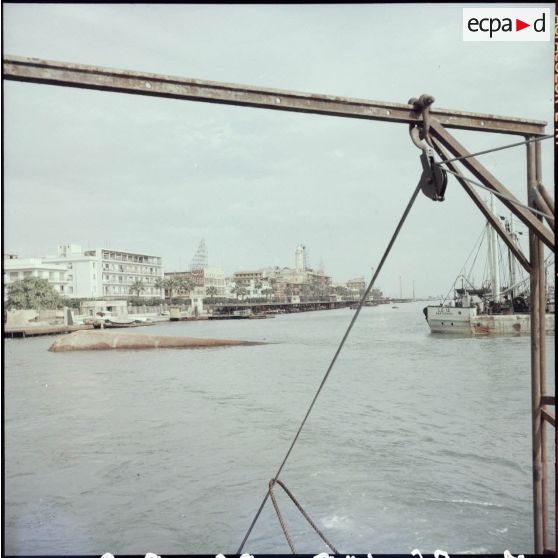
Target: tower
199, 261
301, 258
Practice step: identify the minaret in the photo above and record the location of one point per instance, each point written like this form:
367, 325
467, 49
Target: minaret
300, 258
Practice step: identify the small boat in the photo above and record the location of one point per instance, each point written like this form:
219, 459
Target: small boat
109, 323
395, 306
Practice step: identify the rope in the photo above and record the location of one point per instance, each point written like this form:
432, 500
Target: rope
463, 271
302, 511
495, 149
512, 200
355, 316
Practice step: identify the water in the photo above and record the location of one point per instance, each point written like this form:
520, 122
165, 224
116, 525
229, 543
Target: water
417, 441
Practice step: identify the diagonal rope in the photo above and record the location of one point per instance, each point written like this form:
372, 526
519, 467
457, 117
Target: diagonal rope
334, 359
500, 195
495, 149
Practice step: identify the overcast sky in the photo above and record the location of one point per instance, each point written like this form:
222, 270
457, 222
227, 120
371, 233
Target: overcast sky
157, 175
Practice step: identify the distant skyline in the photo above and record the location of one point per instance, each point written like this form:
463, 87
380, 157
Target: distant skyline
157, 175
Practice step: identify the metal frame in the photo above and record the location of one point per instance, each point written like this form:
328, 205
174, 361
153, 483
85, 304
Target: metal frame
437, 121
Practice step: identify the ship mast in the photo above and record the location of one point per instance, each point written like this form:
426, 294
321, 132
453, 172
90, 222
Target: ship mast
510, 256
493, 258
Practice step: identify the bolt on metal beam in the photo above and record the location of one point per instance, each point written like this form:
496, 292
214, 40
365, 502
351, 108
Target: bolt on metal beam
140, 83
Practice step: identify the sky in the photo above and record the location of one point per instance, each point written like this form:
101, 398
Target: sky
155, 176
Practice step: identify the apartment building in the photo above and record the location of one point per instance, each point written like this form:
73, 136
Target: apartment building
105, 273
17, 269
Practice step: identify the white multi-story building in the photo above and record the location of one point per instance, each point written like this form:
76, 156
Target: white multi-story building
104, 273
17, 269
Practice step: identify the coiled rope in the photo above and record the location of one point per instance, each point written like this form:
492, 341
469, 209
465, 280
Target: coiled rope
332, 363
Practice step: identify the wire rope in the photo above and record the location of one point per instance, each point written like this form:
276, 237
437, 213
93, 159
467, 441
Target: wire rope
334, 359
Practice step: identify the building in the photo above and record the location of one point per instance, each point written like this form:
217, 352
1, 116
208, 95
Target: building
356, 286
203, 278
104, 273
17, 269
247, 278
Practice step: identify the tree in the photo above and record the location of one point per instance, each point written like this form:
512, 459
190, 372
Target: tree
212, 292
184, 285
239, 291
171, 284
160, 284
137, 287
32, 293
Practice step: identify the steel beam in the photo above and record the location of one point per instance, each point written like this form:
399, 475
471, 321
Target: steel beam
480, 172
485, 210
536, 152
156, 85
541, 205
537, 427
547, 198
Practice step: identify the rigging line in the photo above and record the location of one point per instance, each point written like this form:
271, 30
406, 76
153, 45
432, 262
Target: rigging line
464, 268
514, 201
355, 316
495, 149
526, 279
478, 251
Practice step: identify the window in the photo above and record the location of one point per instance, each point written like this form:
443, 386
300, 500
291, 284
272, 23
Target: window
14, 275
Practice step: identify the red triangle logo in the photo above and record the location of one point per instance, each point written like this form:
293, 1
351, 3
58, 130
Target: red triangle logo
519, 25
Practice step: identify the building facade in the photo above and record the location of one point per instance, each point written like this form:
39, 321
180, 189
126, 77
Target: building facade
104, 273
16, 269
202, 278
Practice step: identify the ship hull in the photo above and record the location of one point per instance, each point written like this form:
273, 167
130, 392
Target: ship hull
465, 320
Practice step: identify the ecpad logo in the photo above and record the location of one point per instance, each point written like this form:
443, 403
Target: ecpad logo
506, 24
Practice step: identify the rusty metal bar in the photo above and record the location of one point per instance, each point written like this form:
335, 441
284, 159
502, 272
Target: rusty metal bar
536, 406
485, 210
548, 400
547, 197
480, 172
542, 347
541, 204
140, 83
549, 417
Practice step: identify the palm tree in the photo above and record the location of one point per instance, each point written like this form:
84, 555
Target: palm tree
160, 284
137, 287
184, 285
212, 292
239, 291
170, 285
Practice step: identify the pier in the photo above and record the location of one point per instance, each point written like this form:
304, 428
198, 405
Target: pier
33, 331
